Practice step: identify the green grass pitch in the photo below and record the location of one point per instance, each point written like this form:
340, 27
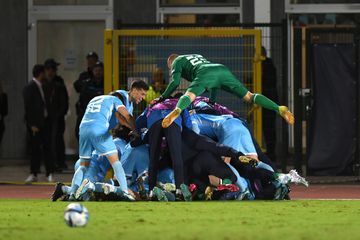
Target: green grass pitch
42, 219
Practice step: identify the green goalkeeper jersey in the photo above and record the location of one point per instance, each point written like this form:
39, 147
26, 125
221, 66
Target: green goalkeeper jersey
184, 66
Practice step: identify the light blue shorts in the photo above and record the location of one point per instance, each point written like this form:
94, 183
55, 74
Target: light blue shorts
95, 137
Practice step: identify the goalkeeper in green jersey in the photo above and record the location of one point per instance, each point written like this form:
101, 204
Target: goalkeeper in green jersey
205, 75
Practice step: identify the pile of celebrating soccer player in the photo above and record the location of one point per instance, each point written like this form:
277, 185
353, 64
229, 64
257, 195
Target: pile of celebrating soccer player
181, 148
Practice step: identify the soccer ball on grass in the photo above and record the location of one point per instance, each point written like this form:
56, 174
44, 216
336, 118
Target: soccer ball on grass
76, 215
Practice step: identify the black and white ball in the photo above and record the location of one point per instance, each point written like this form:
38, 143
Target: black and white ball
76, 215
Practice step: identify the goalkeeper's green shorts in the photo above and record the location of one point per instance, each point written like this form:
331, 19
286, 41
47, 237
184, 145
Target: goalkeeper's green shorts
216, 76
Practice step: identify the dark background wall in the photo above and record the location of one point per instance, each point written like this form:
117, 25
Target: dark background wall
277, 11
13, 72
139, 11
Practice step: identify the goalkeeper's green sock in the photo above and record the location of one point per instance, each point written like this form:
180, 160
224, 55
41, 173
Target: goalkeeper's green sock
183, 102
265, 102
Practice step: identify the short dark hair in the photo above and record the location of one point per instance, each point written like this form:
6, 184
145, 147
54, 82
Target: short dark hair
37, 70
139, 84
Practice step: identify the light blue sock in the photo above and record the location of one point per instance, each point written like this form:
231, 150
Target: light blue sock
240, 181
265, 166
66, 189
120, 175
77, 178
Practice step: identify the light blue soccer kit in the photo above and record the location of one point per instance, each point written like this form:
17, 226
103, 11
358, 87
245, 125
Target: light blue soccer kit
98, 120
227, 130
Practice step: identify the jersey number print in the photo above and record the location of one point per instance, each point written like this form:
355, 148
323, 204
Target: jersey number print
196, 59
95, 106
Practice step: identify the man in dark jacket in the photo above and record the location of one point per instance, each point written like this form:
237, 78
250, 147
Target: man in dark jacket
58, 100
91, 59
38, 125
91, 88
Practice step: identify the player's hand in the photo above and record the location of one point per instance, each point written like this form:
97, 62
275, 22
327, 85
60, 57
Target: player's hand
156, 100
226, 159
134, 134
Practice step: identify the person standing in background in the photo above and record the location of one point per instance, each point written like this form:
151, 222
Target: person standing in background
59, 105
91, 88
3, 111
38, 125
269, 88
91, 59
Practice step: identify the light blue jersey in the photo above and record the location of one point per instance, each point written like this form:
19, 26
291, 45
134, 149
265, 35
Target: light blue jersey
101, 111
127, 103
99, 118
226, 130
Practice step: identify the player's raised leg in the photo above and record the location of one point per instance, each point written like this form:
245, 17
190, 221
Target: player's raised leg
232, 85
184, 101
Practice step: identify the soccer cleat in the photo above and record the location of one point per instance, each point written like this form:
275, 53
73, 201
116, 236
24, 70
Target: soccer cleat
141, 187
170, 187
292, 177
185, 192
208, 193
286, 114
248, 160
245, 195
160, 195
108, 188
281, 192
82, 189
296, 178
58, 193
72, 198
127, 197
171, 117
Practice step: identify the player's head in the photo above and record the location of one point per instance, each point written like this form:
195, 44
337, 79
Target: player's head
170, 59
138, 91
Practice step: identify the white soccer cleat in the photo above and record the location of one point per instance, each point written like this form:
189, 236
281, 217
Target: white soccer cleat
292, 177
296, 178
128, 197
108, 188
